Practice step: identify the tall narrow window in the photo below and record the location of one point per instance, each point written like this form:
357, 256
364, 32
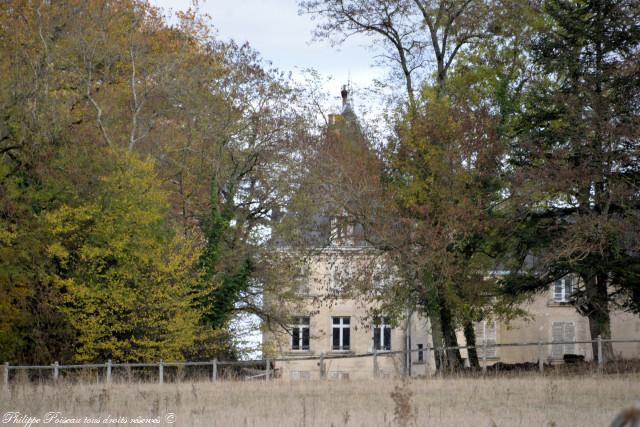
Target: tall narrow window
420, 353
563, 289
486, 333
341, 333
300, 333
382, 334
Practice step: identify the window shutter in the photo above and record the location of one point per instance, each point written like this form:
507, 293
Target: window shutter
557, 334
486, 332
491, 337
479, 330
569, 335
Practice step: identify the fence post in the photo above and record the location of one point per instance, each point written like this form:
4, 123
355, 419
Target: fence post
5, 374
268, 369
55, 371
427, 361
540, 357
322, 372
376, 371
161, 372
441, 357
484, 357
600, 361
214, 370
406, 361
109, 371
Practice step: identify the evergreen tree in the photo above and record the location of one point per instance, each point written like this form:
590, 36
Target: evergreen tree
575, 160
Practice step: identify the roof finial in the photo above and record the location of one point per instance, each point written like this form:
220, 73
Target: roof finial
345, 93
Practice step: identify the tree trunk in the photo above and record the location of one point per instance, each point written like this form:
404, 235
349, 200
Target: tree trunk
453, 359
598, 314
436, 337
470, 337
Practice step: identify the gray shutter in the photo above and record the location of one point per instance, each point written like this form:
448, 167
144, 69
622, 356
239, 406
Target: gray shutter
557, 334
569, 335
490, 336
479, 330
486, 331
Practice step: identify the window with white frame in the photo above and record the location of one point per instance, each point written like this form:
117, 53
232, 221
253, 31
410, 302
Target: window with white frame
563, 289
300, 333
341, 333
563, 332
486, 333
382, 334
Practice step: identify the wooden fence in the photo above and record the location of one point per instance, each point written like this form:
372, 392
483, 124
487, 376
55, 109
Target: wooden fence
213, 366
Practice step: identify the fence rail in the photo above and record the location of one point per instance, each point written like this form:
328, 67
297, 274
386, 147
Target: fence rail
268, 362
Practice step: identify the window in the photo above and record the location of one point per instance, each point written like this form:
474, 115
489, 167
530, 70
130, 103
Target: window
300, 333
382, 334
346, 232
341, 333
563, 332
563, 289
420, 353
341, 230
486, 332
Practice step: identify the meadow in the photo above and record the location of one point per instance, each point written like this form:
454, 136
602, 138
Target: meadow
496, 401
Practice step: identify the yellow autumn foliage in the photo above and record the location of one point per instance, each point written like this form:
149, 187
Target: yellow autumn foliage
125, 275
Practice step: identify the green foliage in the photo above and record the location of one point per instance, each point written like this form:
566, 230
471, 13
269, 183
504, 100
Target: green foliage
223, 282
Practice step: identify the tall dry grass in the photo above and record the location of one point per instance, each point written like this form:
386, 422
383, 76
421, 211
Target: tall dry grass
523, 401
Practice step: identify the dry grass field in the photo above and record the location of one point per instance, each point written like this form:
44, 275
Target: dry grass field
523, 401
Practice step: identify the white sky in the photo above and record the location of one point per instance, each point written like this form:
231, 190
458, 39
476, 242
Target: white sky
274, 28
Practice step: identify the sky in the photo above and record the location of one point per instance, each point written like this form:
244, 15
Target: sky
276, 30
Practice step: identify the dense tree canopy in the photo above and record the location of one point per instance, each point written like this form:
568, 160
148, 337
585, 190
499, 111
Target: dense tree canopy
142, 166
517, 149
574, 191
113, 127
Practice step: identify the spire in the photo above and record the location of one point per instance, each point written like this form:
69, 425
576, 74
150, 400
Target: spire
346, 105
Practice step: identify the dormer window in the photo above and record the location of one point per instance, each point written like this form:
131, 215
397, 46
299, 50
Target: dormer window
342, 230
563, 289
